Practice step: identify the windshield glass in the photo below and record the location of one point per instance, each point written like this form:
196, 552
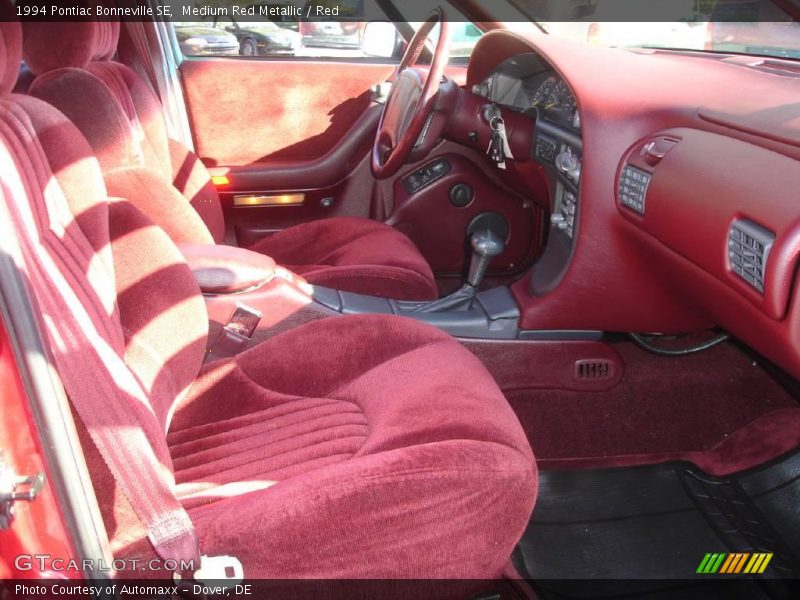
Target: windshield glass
738, 26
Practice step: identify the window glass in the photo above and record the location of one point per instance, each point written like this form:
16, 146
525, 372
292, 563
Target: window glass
742, 26
272, 29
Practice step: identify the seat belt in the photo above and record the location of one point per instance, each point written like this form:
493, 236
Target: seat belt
83, 353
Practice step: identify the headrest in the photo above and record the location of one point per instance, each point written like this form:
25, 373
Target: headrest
10, 49
49, 46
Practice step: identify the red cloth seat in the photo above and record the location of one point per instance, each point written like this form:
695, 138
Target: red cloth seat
380, 447
122, 119
352, 254
363, 446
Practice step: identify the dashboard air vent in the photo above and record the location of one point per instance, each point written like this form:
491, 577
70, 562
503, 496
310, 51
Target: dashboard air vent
748, 250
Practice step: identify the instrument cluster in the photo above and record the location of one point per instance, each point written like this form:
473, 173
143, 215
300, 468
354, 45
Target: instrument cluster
524, 83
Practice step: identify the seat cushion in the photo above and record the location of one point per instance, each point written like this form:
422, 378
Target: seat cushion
363, 446
355, 255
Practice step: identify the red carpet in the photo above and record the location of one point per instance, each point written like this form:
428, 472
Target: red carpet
717, 409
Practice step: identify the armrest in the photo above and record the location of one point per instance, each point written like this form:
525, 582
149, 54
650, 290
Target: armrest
227, 269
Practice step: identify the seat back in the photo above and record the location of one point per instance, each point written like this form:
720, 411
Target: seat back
126, 320
122, 118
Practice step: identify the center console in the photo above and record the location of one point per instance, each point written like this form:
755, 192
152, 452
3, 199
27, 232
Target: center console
249, 299
492, 314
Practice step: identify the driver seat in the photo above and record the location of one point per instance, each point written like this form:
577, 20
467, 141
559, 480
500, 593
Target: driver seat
122, 118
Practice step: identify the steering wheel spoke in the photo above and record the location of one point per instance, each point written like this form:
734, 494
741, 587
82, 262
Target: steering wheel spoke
410, 100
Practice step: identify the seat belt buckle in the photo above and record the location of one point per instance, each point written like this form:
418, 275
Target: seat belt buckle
235, 334
217, 572
244, 321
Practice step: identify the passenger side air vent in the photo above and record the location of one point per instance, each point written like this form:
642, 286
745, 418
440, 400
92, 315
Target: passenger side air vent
594, 369
748, 250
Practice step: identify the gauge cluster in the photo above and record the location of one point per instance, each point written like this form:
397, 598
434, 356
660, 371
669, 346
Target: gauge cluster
524, 83
553, 98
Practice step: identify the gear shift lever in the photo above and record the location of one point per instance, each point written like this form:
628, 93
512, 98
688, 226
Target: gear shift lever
486, 244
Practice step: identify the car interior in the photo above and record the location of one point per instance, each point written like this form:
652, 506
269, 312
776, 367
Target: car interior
526, 318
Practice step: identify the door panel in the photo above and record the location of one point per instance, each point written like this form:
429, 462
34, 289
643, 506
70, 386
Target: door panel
336, 184
351, 197
252, 111
285, 126
324, 171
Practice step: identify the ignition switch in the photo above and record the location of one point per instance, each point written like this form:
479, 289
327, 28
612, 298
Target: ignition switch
569, 164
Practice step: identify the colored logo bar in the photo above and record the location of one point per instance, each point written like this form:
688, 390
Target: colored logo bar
734, 563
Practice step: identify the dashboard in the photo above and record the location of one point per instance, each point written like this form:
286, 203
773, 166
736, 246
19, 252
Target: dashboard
683, 195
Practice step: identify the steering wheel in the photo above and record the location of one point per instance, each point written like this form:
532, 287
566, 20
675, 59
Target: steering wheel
411, 99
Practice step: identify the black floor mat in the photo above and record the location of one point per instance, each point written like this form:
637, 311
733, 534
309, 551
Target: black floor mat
644, 531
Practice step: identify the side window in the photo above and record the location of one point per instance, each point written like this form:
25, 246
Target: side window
201, 38
274, 29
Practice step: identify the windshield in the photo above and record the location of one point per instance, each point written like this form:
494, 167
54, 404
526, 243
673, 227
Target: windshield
738, 26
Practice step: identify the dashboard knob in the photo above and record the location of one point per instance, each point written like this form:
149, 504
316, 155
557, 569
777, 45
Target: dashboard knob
558, 220
461, 195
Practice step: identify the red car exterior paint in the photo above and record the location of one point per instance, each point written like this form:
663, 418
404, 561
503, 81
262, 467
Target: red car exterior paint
38, 528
